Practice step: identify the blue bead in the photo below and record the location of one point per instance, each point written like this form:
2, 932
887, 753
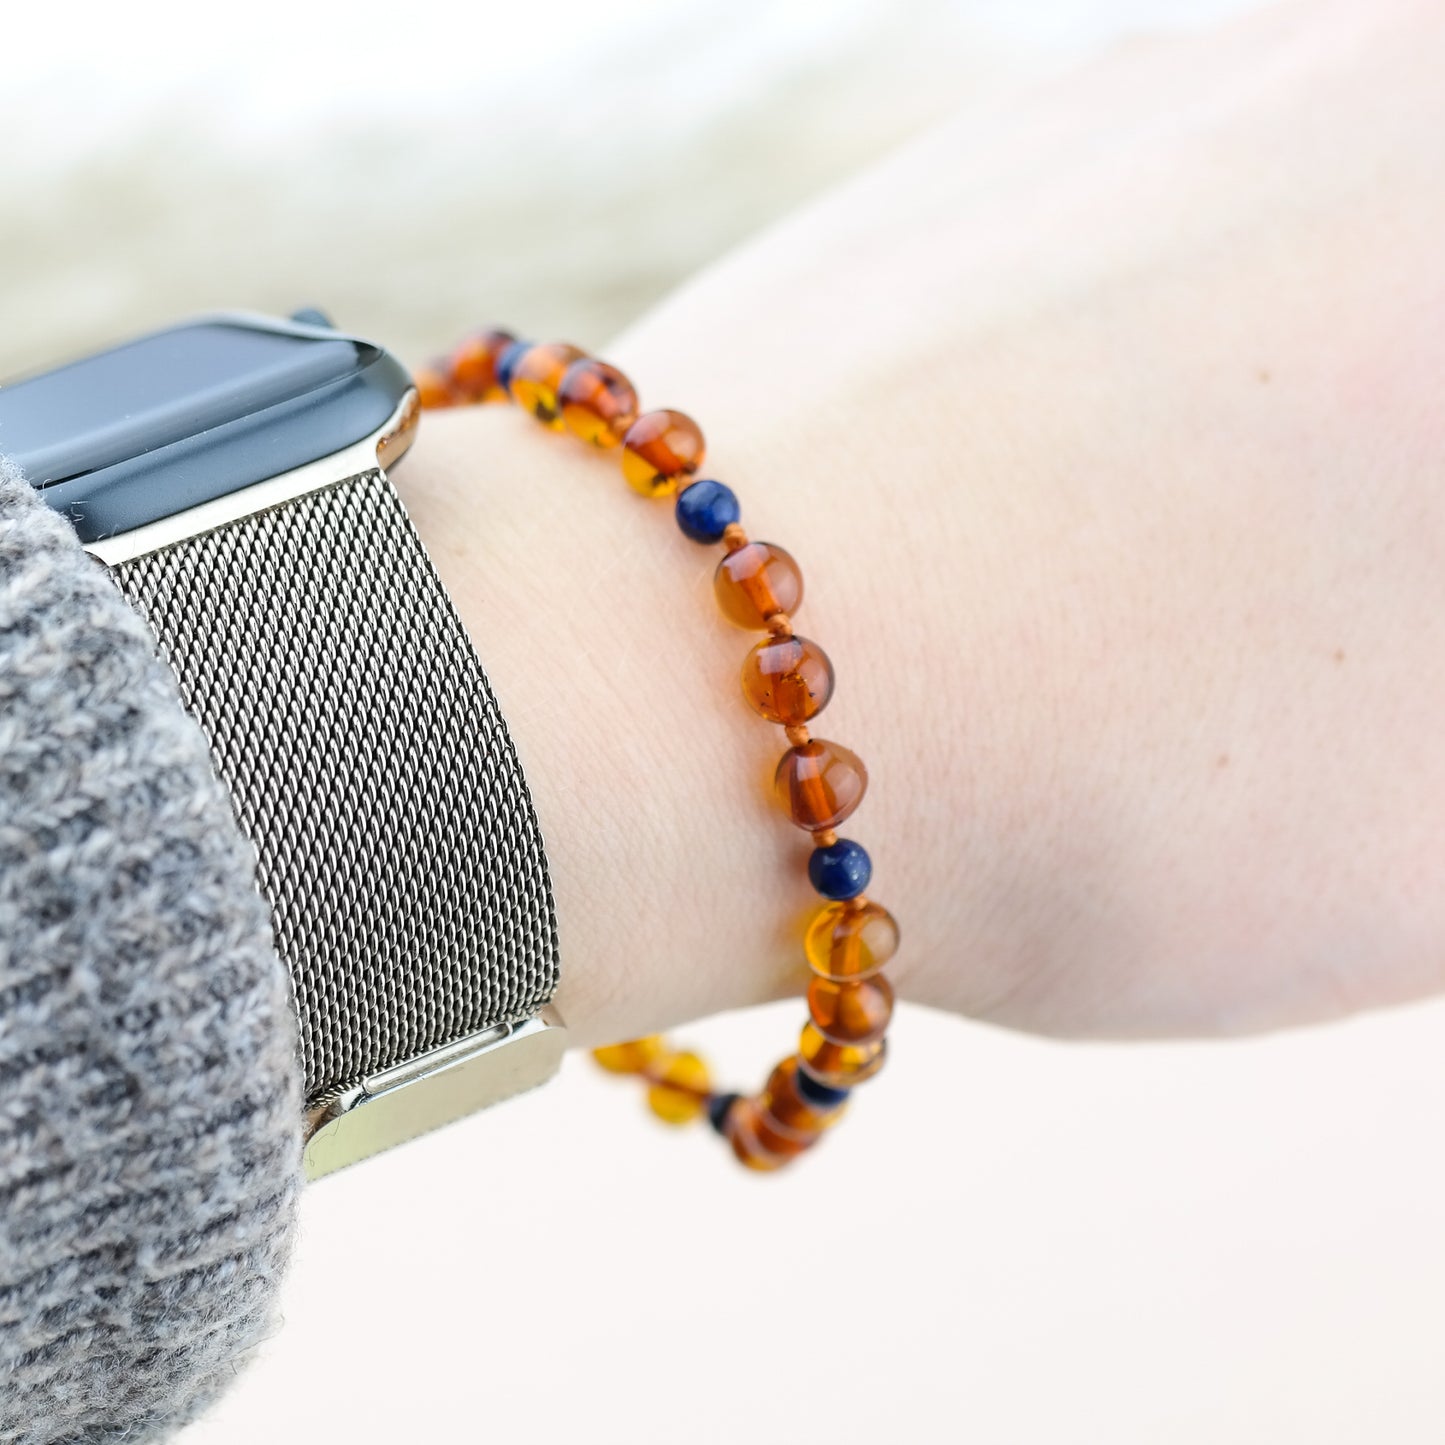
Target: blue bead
841, 870
717, 1110
820, 1096
705, 510
507, 362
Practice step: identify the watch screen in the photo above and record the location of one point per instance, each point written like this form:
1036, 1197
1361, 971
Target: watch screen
148, 393
181, 417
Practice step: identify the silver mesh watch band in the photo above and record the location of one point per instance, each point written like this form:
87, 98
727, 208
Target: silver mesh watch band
368, 762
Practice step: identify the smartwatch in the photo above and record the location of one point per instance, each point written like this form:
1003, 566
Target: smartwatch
232, 474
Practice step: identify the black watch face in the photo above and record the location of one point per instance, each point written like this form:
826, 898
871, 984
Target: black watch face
183, 416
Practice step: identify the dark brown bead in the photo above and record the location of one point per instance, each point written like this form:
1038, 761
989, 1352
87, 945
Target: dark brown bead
777, 1140
597, 402
782, 1102
741, 1128
661, 450
788, 679
473, 365
851, 1013
820, 783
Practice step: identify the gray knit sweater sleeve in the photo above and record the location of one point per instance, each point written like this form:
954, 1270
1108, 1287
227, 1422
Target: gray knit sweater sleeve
149, 1086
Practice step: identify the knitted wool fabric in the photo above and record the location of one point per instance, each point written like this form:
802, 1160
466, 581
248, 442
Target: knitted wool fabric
150, 1091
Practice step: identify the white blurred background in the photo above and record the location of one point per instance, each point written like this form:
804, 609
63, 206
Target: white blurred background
420, 168
1013, 1241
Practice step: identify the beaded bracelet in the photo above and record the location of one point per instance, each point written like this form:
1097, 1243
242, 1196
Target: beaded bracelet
786, 678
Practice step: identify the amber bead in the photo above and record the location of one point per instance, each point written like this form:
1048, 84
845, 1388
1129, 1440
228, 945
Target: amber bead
788, 679
840, 1066
680, 1087
597, 402
756, 581
820, 783
433, 389
851, 1013
782, 1102
633, 1056
785, 1143
849, 941
660, 450
473, 366
741, 1128
537, 376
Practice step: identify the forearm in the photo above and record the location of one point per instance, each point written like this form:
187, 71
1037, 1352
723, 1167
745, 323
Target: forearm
1105, 454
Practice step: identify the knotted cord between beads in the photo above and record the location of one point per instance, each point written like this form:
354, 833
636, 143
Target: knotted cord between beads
788, 680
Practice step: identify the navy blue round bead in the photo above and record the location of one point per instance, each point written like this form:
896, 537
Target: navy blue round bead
717, 1110
507, 362
820, 1096
705, 510
841, 870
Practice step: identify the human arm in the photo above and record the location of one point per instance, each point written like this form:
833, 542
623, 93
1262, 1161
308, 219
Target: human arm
1105, 426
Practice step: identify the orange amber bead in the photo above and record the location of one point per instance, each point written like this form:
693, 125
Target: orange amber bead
741, 1131
785, 1143
839, 1066
851, 1013
788, 679
756, 581
680, 1088
820, 783
537, 376
433, 389
659, 449
633, 1056
782, 1103
849, 941
597, 402
473, 366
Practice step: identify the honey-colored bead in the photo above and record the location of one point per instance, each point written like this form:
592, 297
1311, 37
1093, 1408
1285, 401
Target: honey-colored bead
537, 377
851, 1013
473, 366
633, 1056
755, 581
660, 450
839, 1066
679, 1089
847, 942
597, 402
781, 1102
788, 679
820, 783
433, 389
741, 1132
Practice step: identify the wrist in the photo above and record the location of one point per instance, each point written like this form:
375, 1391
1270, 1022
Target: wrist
595, 632
678, 894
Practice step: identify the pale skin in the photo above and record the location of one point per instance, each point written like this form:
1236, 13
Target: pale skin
1108, 428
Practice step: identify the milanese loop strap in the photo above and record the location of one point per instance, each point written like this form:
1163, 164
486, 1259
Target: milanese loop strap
350, 718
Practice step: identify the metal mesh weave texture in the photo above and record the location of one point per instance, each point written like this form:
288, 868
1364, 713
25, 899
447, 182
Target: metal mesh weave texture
350, 718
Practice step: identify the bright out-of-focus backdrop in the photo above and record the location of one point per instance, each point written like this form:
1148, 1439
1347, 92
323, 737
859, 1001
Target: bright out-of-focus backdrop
1018, 1242
419, 167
